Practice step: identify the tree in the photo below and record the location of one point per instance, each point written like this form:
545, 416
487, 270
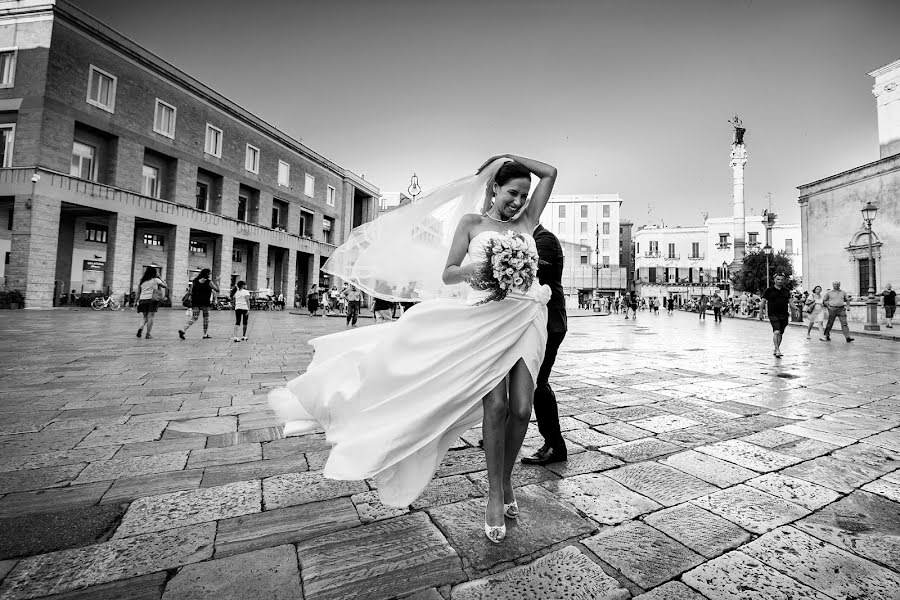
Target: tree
752, 276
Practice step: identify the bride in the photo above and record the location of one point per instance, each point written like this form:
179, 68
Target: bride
393, 398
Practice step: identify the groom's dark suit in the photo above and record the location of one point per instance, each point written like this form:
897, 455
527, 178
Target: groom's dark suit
550, 271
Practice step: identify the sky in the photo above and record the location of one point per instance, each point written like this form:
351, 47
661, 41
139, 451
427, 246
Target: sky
630, 97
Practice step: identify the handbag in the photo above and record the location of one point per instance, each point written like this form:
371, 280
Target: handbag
158, 295
186, 300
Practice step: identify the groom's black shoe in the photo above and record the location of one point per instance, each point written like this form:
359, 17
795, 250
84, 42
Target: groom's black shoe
544, 456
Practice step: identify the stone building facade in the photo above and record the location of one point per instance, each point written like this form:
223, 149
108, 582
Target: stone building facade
835, 238
114, 159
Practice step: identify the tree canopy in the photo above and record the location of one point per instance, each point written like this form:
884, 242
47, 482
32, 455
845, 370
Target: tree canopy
752, 276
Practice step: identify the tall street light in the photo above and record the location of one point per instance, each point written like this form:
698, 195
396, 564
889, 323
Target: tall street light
725, 277
868, 213
767, 250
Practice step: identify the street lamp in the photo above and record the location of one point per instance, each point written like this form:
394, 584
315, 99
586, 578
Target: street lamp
767, 250
725, 276
414, 189
868, 213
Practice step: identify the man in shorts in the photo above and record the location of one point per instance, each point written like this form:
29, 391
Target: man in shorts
890, 304
776, 299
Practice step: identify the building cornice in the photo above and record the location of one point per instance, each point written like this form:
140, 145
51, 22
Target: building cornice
876, 168
885, 69
77, 18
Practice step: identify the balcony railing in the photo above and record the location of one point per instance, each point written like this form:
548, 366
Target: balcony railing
723, 245
651, 254
673, 257
697, 257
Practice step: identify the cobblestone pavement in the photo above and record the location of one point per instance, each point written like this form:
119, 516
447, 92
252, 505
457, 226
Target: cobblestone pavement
700, 467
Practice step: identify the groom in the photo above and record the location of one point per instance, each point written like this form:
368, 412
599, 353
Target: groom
549, 273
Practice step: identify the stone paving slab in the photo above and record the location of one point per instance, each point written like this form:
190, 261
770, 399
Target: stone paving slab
39, 443
460, 462
299, 488
642, 554
566, 573
736, 575
56, 499
708, 468
750, 508
543, 521
865, 524
806, 448
222, 474
289, 525
889, 440
447, 490
380, 560
749, 456
178, 509
209, 457
106, 470
660, 483
124, 434
641, 450
887, 486
127, 489
156, 447
590, 438
839, 475
664, 423
702, 531
36, 479
370, 508
271, 573
46, 532
145, 587
116, 559
795, 490
522, 475
584, 462
603, 499
674, 590
55, 459
831, 570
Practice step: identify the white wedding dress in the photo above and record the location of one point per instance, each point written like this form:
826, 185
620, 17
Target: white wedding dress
393, 398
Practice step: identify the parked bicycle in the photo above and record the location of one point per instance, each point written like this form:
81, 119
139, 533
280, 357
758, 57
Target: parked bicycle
105, 302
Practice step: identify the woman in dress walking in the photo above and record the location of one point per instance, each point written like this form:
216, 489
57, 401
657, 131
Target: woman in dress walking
393, 399
148, 301
816, 310
241, 298
312, 300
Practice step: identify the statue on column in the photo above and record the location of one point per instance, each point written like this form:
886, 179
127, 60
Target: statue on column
738, 130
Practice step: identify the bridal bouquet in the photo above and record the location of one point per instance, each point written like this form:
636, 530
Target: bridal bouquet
509, 264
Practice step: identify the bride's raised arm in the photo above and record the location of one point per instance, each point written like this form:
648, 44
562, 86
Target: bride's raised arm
541, 195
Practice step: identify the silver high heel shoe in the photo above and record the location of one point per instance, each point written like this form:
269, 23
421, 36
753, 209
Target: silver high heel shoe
495, 534
511, 510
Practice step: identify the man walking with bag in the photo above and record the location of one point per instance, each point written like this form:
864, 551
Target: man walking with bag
835, 302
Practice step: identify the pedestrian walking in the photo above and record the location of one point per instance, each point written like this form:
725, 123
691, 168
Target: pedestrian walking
704, 302
550, 270
353, 298
816, 311
670, 305
241, 299
776, 300
835, 301
202, 289
717, 304
151, 287
312, 300
890, 304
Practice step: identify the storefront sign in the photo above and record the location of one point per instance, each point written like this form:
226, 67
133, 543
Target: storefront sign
93, 265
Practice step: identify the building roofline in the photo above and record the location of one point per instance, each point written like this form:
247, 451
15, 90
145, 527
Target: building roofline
885, 69
804, 189
82, 20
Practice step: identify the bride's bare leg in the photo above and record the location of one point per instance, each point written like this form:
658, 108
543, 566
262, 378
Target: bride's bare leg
521, 398
492, 431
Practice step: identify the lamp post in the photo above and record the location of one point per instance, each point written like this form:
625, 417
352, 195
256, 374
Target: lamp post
414, 189
868, 213
725, 277
767, 250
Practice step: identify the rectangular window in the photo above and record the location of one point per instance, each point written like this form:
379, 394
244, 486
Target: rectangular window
584, 259
198, 247
202, 196
306, 223
723, 238
605, 261
789, 246
751, 237
671, 250
654, 247
328, 229
584, 211
606, 228
153, 239
7, 137
864, 277
9, 220
236, 256
83, 163
284, 174
651, 275
213, 143
7, 68
276, 217
560, 228
309, 185
606, 211
695, 249
101, 89
584, 242
329, 198
562, 211
150, 181
164, 119
95, 233
251, 159
606, 245
243, 203
584, 227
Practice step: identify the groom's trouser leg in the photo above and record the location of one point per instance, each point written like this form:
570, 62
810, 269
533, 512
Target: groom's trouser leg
544, 399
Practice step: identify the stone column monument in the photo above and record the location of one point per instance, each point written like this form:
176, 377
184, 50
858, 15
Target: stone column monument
738, 160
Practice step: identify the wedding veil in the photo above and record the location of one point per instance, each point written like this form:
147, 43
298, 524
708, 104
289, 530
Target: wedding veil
400, 256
